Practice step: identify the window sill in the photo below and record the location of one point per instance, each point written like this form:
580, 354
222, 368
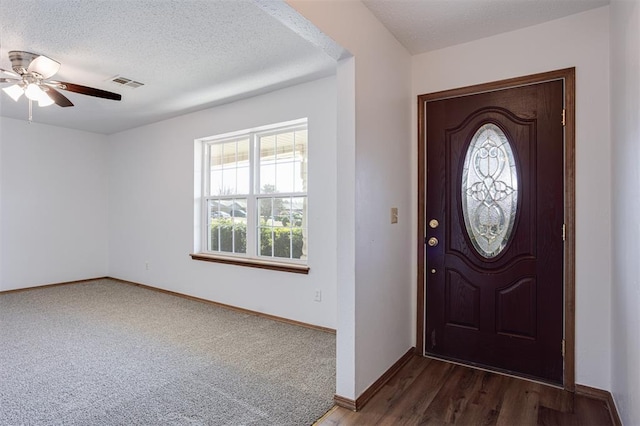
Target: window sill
252, 263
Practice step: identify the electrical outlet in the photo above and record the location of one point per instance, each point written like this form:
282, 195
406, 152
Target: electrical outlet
394, 215
317, 297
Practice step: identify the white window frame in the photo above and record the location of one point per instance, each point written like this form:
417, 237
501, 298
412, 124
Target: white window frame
252, 198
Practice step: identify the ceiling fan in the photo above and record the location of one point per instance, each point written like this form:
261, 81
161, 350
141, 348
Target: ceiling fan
30, 75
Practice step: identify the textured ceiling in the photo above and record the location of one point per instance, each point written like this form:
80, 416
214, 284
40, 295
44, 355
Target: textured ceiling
190, 55
195, 54
424, 25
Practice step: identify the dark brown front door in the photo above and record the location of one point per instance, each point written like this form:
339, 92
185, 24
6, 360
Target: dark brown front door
494, 230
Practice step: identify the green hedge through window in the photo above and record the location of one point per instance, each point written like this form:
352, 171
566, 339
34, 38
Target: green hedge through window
223, 233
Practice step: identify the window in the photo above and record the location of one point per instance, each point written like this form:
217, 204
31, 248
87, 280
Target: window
254, 194
489, 190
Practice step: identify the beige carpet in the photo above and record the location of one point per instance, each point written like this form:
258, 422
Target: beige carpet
108, 353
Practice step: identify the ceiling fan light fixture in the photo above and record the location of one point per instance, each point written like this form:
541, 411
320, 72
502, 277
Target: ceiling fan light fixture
45, 100
33, 91
14, 91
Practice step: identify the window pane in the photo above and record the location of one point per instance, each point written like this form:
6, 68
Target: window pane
284, 145
280, 242
228, 182
284, 176
299, 211
213, 209
229, 167
267, 178
215, 151
242, 180
291, 211
265, 211
283, 160
282, 229
298, 225
227, 227
226, 236
242, 166
268, 147
265, 241
281, 207
240, 237
215, 183
229, 152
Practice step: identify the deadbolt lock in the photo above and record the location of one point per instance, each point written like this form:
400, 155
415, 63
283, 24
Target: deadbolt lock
433, 241
433, 223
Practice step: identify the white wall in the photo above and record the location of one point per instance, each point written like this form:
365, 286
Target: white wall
374, 316
152, 207
53, 209
150, 182
625, 126
582, 41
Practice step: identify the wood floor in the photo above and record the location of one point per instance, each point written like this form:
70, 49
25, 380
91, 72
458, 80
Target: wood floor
432, 392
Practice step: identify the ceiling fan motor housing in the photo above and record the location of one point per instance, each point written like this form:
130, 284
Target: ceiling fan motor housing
20, 61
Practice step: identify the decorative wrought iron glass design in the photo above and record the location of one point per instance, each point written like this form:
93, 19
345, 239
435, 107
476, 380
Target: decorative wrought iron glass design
489, 190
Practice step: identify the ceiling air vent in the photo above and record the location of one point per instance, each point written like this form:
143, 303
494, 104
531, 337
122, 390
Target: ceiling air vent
127, 82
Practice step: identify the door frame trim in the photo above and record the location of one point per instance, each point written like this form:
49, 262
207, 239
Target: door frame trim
568, 75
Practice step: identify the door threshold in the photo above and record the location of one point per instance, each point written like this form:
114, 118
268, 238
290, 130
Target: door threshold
496, 371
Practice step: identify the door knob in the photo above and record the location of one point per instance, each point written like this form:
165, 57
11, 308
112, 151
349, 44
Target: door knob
433, 241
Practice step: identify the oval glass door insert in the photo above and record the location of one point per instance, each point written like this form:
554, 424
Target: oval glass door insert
489, 190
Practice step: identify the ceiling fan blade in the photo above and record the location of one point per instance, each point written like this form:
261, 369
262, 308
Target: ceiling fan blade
10, 73
58, 98
44, 66
9, 80
98, 93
